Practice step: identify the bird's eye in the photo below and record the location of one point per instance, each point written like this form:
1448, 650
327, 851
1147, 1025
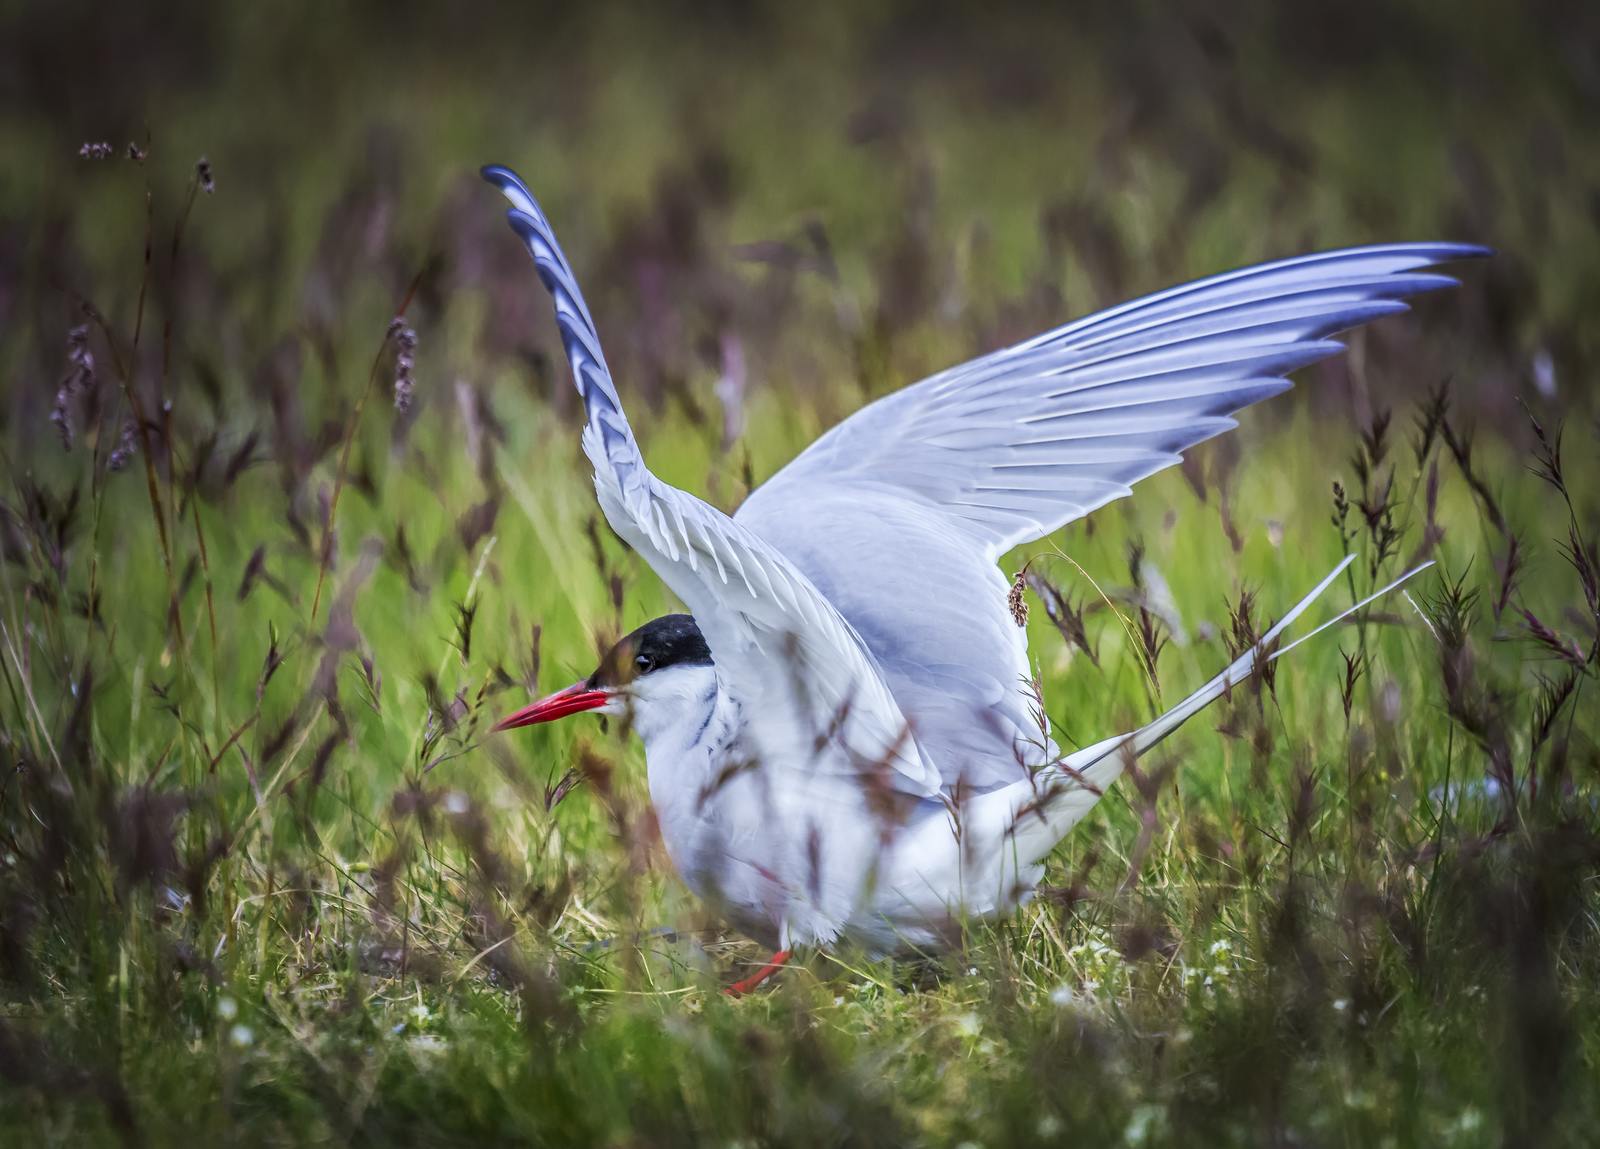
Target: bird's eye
644, 664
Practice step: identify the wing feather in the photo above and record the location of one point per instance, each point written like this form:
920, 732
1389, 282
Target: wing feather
1157, 375
771, 610
997, 452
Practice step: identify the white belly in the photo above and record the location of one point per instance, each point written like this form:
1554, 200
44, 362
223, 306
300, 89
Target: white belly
828, 858
788, 860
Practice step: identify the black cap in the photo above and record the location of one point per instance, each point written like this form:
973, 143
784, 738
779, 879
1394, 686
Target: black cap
671, 640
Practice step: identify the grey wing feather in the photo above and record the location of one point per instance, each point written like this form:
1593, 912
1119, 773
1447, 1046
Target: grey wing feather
1019, 442
936, 481
773, 636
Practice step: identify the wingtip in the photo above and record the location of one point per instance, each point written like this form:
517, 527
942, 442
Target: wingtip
1468, 251
511, 186
501, 176
1437, 250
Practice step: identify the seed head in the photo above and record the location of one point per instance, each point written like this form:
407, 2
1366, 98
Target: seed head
125, 449
1014, 600
405, 341
80, 378
60, 415
202, 172
78, 353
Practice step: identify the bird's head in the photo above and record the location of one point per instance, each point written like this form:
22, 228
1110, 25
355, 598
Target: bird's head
657, 675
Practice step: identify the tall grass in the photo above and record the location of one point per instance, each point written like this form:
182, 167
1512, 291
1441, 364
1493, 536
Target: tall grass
271, 560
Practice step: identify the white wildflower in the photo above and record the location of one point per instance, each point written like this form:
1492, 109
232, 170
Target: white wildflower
1144, 1124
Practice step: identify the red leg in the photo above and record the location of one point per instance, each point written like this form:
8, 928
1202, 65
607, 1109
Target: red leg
774, 964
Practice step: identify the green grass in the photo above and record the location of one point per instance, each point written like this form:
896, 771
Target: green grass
263, 878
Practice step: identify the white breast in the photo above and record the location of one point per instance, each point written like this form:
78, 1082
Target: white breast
790, 856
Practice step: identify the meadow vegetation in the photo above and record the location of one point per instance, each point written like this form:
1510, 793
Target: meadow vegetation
293, 509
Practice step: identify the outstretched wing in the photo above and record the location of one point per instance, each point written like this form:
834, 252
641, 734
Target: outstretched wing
1000, 451
1019, 442
802, 673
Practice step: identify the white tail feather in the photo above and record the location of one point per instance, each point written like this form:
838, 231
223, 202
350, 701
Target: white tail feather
1078, 781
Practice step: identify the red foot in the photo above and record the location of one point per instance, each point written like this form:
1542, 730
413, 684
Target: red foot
740, 988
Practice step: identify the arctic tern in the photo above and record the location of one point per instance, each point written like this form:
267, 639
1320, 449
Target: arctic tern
842, 738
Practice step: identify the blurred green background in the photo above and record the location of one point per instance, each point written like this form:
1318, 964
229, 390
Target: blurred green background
264, 880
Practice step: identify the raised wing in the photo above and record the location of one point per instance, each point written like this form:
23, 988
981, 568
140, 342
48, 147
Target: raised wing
807, 681
1019, 442
1000, 451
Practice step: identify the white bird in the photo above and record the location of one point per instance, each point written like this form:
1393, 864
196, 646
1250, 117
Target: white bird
842, 741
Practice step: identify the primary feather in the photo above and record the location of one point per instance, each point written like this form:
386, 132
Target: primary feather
944, 476
753, 604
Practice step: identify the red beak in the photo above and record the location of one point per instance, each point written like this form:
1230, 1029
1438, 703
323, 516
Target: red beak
575, 699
